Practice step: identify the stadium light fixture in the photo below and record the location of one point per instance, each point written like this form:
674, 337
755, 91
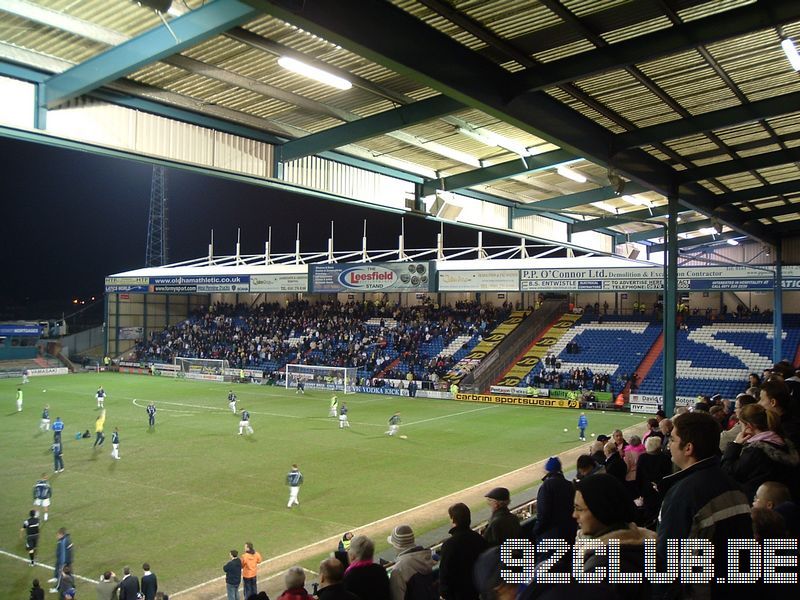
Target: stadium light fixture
709, 231
301, 68
570, 174
733, 242
791, 53
490, 138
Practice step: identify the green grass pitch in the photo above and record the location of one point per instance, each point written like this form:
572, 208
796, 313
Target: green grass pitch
185, 493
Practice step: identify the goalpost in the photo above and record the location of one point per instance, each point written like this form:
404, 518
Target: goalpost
209, 369
342, 379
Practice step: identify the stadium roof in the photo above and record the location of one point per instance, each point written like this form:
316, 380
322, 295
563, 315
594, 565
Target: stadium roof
256, 264
638, 99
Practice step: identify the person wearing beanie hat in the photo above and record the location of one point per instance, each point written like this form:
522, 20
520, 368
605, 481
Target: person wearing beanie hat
411, 560
502, 524
554, 505
604, 511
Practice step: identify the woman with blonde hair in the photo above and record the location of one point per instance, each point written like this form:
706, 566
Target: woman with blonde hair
760, 452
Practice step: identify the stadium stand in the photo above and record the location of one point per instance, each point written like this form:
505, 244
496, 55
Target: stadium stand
716, 357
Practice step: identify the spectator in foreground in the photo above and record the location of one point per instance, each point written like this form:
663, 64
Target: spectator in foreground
149, 583
37, 592
502, 524
651, 469
775, 396
554, 501
759, 453
458, 555
331, 586
586, 466
295, 581
771, 494
412, 560
735, 426
700, 501
614, 464
363, 577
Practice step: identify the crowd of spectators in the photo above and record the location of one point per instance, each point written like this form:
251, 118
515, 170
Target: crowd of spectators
329, 333
575, 379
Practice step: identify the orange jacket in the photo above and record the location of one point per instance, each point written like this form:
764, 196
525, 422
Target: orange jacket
250, 564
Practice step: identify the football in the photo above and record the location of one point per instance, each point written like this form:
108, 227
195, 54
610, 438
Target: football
403, 437
565, 429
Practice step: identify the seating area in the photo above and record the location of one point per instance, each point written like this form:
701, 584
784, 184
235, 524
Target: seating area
716, 358
382, 340
614, 345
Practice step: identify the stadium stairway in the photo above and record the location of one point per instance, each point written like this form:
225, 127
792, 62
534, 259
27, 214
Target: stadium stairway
647, 362
536, 351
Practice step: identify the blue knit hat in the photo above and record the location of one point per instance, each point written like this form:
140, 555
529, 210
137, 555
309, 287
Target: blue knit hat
553, 465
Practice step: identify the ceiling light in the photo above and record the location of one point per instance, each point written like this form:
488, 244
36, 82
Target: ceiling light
791, 53
733, 242
314, 73
606, 207
708, 231
570, 174
490, 138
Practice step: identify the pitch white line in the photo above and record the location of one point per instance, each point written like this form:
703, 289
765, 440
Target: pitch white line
180, 412
49, 567
463, 412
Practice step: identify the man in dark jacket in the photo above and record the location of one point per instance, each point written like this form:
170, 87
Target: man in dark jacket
129, 586
615, 465
233, 575
149, 583
458, 555
554, 503
502, 524
363, 577
331, 586
700, 501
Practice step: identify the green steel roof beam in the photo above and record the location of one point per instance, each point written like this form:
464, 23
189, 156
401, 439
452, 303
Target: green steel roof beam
644, 48
757, 193
190, 29
587, 197
628, 217
774, 211
741, 165
518, 166
641, 236
698, 241
368, 127
718, 119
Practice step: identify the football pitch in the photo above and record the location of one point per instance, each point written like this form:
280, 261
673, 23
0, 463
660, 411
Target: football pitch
187, 491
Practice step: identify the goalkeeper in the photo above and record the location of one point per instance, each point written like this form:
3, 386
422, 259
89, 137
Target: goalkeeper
334, 408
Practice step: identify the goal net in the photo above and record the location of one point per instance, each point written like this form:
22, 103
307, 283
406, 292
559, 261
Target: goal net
342, 379
209, 369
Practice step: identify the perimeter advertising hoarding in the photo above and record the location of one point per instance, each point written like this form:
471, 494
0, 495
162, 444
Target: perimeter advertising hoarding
281, 282
652, 279
517, 400
374, 277
11, 330
479, 281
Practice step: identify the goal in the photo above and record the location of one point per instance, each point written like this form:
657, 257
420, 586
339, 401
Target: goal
209, 369
342, 379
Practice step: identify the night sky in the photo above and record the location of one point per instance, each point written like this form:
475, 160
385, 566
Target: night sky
70, 218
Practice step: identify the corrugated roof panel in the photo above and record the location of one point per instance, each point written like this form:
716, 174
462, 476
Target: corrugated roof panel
637, 29
692, 144
786, 218
564, 51
624, 94
708, 9
757, 64
739, 181
23, 33
689, 80
586, 111
509, 19
781, 173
